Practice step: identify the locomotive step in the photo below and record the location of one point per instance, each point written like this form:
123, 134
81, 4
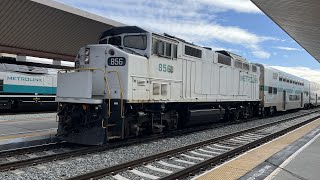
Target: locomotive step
114, 137
111, 125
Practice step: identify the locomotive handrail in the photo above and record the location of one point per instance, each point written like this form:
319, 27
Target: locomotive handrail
108, 88
121, 91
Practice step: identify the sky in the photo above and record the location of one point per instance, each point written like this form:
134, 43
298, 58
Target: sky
234, 25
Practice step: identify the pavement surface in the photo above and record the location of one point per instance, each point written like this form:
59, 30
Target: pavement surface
305, 165
20, 124
268, 161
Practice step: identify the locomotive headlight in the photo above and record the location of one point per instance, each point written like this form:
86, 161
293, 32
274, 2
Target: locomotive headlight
86, 60
87, 52
86, 55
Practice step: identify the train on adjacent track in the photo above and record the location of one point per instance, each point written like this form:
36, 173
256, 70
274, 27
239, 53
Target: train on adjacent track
138, 82
26, 88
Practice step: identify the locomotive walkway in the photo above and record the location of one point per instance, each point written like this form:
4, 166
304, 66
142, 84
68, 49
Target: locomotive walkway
293, 156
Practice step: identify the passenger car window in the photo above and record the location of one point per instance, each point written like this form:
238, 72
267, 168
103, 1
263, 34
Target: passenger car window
275, 90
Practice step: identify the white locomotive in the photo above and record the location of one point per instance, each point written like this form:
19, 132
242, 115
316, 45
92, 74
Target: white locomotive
135, 81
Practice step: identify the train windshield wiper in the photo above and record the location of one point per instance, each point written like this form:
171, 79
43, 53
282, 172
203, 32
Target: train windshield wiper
130, 50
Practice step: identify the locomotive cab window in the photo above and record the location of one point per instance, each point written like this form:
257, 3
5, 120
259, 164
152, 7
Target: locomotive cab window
270, 90
135, 41
115, 40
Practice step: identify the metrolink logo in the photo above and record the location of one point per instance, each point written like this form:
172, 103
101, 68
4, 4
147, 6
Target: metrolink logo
27, 79
249, 79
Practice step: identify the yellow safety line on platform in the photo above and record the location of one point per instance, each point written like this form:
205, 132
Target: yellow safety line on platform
239, 166
14, 136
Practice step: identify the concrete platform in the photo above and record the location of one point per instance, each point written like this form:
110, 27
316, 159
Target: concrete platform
295, 155
26, 123
304, 164
23, 130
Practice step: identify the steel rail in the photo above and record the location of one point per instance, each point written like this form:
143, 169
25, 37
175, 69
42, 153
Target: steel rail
215, 160
94, 149
171, 153
35, 148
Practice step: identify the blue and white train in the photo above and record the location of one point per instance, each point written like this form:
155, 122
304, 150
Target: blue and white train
22, 86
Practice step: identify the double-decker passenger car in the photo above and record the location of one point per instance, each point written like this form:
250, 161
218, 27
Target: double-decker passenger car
314, 94
280, 91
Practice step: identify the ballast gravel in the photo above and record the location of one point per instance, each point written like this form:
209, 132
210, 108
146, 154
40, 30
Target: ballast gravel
86, 163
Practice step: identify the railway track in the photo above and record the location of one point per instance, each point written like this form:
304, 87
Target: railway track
22, 157
182, 162
14, 159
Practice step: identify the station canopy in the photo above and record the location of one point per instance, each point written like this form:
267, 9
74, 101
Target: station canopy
48, 29
299, 18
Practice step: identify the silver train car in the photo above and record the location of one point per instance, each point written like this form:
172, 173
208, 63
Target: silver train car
138, 82
280, 91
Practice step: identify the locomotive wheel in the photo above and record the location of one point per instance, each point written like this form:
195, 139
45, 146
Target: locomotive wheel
235, 115
271, 111
263, 112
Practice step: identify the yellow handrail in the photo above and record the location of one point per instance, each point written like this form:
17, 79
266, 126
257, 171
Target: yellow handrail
121, 92
105, 79
108, 89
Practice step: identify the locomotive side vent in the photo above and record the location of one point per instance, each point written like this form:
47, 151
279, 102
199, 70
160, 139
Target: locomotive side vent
164, 90
156, 89
141, 83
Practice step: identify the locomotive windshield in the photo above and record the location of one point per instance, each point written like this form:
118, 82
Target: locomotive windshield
135, 41
129, 41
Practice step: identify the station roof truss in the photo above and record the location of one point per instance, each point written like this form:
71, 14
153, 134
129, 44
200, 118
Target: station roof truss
48, 29
300, 19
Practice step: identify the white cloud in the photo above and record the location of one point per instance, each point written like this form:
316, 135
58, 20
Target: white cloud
261, 54
304, 72
243, 6
288, 48
192, 20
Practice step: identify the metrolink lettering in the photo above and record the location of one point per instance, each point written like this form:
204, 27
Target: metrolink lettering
249, 79
28, 79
